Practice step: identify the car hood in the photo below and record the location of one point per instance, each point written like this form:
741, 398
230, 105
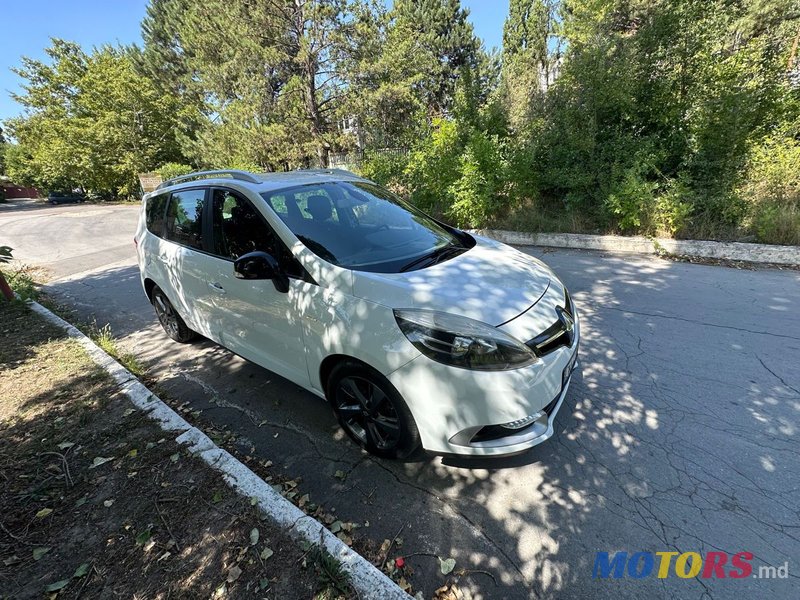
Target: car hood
491, 282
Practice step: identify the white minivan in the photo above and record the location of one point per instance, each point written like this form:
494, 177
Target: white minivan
417, 333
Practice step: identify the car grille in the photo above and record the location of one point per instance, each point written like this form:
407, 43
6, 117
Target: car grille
560, 333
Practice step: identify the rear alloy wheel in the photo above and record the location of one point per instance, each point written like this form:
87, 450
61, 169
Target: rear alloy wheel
372, 412
170, 320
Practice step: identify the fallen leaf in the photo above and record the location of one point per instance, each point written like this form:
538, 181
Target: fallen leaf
336, 526
81, 571
345, 538
254, 536
303, 500
108, 503
263, 584
340, 474
65, 445
253, 501
175, 457
217, 497
385, 545
129, 412
58, 585
100, 460
12, 560
446, 566
234, 574
40, 552
43, 513
133, 453
80, 501
164, 556
266, 553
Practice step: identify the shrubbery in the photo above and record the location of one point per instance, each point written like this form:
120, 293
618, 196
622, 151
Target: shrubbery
674, 119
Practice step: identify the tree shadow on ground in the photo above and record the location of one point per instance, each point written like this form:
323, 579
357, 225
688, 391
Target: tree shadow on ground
678, 433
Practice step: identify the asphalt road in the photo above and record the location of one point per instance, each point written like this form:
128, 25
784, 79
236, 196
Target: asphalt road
680, 432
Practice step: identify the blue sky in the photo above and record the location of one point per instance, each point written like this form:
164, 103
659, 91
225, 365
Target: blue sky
29, 25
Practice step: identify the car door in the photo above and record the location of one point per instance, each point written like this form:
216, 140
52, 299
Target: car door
256, 320
184, 256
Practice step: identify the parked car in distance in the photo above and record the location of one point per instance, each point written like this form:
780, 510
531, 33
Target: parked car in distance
416, 333
65, 197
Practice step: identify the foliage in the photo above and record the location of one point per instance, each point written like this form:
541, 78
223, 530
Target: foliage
772, 189
632, 116
171, 169
91, 121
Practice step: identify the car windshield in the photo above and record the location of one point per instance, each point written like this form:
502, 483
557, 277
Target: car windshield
360, 226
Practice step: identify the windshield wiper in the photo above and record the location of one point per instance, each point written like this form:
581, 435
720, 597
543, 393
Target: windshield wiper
434, 257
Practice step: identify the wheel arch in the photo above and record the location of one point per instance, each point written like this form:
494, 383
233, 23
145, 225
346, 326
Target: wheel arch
329, 363
149, 285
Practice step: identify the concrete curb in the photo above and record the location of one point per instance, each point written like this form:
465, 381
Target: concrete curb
367, 579
755, 253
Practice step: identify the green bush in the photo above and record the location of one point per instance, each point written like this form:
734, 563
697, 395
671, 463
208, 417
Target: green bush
171, 169
772, 190
481, 174
672, 209
632, 202
433, 166
385, 169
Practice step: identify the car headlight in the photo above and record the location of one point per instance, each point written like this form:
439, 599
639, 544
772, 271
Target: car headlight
462, 342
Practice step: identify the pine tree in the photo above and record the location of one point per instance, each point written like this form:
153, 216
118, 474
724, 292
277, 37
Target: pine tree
437, 40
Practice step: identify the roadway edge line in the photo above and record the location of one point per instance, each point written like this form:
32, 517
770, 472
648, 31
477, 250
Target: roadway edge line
365, 577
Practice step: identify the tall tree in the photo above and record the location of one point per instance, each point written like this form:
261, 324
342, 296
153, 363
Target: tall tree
90, 120
432, 40
267, 72
530, 33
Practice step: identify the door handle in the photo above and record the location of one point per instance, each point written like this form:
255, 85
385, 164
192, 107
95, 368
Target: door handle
216, 287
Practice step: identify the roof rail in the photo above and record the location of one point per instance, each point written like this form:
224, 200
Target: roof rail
233, 173
329, 171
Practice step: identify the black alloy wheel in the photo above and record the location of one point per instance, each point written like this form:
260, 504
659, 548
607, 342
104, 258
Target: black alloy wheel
372, 412
170, 320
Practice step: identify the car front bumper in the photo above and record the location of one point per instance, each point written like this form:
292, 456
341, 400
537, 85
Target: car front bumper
458, 411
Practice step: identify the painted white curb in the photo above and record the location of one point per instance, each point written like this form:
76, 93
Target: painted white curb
756, 253
367, 579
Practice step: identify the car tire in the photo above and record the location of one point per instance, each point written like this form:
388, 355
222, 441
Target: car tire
172, 323
371, 411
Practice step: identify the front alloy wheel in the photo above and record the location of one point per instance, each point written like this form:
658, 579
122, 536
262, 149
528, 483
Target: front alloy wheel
372, 412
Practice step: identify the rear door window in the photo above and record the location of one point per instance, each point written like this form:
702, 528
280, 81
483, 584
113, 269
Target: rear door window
184, 221
154, 214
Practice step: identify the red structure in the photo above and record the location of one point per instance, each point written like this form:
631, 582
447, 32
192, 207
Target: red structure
16, 191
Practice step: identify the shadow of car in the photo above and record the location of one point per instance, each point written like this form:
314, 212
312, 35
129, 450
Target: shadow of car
65, 198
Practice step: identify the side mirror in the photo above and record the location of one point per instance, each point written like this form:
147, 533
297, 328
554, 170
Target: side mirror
260, 265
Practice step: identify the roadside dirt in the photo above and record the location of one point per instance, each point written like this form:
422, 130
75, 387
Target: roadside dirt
97, 501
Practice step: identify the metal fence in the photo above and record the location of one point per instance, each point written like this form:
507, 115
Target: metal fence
353, 160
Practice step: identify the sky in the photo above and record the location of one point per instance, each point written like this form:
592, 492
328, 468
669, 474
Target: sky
28, 26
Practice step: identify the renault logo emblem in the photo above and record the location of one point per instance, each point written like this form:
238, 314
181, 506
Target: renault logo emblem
568, 322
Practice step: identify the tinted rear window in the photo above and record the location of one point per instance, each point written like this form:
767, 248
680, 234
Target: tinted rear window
154, 214
185, 218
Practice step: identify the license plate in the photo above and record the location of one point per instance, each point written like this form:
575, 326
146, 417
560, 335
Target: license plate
568, 369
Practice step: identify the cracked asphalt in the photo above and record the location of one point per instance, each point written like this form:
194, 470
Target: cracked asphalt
680, 431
